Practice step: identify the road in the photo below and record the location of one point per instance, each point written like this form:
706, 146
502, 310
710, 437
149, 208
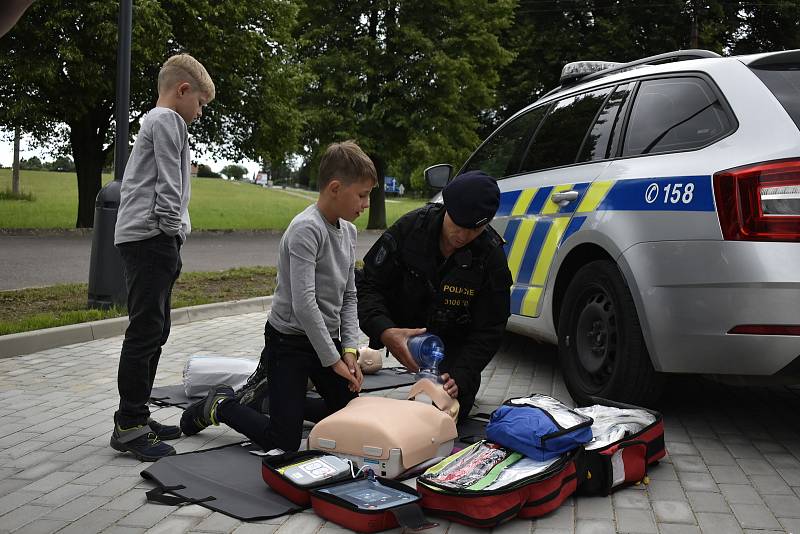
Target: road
41, 260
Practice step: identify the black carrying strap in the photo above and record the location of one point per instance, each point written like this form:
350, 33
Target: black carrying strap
158, 495
410, 516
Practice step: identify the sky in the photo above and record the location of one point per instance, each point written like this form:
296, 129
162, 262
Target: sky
26, 151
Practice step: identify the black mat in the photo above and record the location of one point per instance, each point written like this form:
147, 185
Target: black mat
228, 479
224, 479
388, 378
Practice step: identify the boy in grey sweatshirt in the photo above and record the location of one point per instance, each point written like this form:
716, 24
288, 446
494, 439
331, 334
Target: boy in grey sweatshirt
312, 330
152, 224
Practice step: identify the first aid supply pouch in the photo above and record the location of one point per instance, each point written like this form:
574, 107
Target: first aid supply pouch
539, 427
626, 440
202, 372
486, 484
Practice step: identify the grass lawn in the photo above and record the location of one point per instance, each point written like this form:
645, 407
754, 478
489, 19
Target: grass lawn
215, 205
31, 309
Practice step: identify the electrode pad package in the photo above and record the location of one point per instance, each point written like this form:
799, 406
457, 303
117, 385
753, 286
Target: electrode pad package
202, 372
539, 427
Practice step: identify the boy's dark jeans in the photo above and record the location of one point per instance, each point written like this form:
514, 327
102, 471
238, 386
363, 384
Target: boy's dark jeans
292, 361
151, 268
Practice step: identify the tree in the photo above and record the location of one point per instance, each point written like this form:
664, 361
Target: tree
407, 79
767, 26
15, 163
59, 62
234, 172
204, 171
61, 164
31, 164
547, 35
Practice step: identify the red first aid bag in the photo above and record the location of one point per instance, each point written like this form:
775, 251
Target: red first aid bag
626, 440
486, 484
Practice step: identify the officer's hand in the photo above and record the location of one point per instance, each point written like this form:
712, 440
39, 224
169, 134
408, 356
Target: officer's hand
449, 385
347, 371
396, 340
352, 363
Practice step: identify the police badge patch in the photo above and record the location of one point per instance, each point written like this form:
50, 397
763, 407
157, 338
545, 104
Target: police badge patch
380, 257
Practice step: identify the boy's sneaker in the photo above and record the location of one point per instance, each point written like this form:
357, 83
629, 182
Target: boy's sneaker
254, 394
203, 413
141, 441
164, 432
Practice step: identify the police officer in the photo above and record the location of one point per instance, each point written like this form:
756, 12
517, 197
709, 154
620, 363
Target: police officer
441, 269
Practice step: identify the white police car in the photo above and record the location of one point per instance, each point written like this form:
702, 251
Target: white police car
652, 217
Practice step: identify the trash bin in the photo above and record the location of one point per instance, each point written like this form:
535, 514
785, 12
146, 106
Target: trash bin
106, 276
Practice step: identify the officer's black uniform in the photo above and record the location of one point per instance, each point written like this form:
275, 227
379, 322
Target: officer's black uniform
464, 299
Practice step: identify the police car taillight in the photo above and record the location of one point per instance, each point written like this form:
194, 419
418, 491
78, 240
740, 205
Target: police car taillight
759, 202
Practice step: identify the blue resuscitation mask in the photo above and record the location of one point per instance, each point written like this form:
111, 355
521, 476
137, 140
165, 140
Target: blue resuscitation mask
428, 351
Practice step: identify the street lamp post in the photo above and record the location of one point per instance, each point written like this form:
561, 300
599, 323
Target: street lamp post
106, 277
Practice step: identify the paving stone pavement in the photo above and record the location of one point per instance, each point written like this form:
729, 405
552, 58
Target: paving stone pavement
733, 463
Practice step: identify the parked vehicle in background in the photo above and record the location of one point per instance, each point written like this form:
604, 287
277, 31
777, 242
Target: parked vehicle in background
263, 179
391, 185
651, 212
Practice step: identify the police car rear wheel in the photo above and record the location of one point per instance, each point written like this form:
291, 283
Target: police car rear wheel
600, 343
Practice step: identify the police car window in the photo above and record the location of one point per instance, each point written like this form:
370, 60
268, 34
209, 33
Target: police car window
784, 82
500, 154
561, 134
674, 114
604, 133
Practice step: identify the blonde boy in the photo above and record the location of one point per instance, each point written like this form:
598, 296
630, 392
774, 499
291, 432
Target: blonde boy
312, 330
152, 224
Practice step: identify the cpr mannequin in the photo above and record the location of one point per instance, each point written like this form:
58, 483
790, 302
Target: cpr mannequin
392, 436
370, 360
428, 392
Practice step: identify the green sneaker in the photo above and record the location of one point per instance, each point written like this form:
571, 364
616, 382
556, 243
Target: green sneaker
203, 413
141, 441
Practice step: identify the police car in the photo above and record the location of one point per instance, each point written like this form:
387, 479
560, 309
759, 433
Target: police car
651, 212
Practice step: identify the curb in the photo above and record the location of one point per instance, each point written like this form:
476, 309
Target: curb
36, 340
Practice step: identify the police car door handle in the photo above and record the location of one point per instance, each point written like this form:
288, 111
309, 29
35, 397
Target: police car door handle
563, 198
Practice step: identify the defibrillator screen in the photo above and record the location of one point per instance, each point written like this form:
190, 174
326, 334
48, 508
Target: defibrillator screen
369, 495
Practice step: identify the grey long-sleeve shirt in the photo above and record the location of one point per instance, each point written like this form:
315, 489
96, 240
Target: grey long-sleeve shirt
316, 290
156, 185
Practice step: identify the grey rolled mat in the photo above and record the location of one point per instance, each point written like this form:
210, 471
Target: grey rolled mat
224, 479
387, 378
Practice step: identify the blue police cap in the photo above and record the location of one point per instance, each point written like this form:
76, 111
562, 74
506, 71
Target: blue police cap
471, 199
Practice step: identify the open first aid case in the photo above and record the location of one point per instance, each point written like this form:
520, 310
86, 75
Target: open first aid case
357, 500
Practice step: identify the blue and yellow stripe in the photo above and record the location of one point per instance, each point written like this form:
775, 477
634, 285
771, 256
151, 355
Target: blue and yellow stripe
538, 226
536, 229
